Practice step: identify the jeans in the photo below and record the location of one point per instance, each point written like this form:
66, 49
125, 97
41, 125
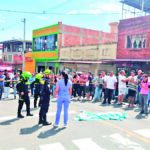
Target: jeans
54, 87
59, 108
6, 92
108, 95
143, 102
1, 91
137, 98
98, 92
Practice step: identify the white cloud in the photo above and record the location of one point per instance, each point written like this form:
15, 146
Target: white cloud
107, 7
92, 11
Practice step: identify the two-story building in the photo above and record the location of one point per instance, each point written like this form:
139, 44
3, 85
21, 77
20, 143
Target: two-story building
133, 51
48, 41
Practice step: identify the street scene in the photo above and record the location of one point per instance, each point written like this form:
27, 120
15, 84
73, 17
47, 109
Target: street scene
75, 75
26, 134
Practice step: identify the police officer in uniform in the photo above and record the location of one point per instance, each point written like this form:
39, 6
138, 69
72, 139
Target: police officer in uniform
23, 89
37, 85
45, 98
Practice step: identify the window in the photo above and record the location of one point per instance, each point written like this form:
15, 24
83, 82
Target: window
45, 43
136, 41
8, 58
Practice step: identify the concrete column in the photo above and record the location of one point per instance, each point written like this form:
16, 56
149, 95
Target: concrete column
81, 36
63, 28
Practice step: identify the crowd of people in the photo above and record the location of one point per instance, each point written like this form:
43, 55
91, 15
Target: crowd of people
133, 89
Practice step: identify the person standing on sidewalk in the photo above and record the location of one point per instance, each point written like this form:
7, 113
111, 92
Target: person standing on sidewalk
1, 83
14, 83
6, 86
23, 87
37, 86
144, 95
99, 88
64, 92
132, 86
45, 98
121, 87
110, 86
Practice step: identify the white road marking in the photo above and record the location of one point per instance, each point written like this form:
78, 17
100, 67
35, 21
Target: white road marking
35, 115
19, 149
143, 132
87, 144
54, 146
122, 141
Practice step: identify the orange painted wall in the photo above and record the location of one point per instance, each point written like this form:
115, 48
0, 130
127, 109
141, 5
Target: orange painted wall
29, 65
45, 31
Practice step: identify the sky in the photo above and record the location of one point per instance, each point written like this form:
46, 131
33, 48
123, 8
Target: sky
91, 14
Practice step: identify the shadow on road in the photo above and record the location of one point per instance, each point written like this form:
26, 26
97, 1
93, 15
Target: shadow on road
50, 132
8, 122
30, 130
31, 109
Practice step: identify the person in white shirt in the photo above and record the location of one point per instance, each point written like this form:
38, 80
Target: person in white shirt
121, 86
110, 86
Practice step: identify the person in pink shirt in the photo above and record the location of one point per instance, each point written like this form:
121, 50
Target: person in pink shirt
144, 95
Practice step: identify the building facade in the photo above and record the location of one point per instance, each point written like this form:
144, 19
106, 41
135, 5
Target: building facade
88, 58
12, 53
48, 41
133, 51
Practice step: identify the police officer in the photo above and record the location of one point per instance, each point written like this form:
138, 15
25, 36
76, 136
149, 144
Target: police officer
45, 98
23, 89
37, 85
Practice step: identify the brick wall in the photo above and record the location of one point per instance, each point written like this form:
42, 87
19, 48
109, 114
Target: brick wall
73, 36
133, 26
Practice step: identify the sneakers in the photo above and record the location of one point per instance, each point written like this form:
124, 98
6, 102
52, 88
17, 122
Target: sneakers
55, 125
65, 126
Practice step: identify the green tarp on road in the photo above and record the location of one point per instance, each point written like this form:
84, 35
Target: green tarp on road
85, 116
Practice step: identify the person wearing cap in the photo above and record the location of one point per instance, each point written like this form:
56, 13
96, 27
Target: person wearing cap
132, 86
1, 83
45, 98
37, 85
23, 89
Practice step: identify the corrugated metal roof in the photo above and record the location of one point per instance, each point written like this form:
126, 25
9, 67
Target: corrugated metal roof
143, 5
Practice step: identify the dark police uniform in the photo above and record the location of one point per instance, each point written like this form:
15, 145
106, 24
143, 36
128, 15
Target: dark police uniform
45, 100
37, 85
23, 87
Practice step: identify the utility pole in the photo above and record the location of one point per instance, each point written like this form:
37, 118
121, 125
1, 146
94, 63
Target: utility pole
24, 45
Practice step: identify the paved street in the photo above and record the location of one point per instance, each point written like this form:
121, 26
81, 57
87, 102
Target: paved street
26, 134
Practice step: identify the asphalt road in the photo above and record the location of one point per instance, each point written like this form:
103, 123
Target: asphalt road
132, 133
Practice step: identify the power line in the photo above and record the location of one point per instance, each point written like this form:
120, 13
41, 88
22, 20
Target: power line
54, 13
